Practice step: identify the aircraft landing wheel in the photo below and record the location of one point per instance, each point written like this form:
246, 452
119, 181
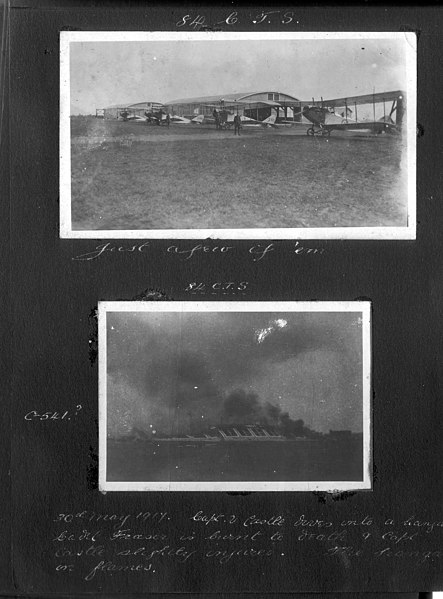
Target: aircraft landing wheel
310, 131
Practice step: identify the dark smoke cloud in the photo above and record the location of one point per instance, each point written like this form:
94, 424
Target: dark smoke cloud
242, 408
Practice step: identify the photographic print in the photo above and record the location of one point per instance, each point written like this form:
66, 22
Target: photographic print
238, 396
237, 135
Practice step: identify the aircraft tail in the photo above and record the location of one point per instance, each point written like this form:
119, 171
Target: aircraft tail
387, 119
198, 119
270, 120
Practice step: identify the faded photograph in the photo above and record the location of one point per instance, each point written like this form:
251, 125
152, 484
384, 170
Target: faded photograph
237, 396
203, 134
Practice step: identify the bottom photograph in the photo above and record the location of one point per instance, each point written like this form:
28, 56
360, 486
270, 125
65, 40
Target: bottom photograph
234, 396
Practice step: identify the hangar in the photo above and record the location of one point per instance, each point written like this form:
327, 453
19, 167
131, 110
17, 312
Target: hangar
257, 105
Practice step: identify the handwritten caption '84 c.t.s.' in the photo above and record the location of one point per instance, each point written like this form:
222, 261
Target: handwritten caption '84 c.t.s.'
198, 22
97, 545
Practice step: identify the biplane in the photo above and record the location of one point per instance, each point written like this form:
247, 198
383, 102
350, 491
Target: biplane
225, 113
324, 116
154, 118
226, 122
161, 118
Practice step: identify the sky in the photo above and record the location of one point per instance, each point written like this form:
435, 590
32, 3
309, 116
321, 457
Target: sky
107, 73
178, 372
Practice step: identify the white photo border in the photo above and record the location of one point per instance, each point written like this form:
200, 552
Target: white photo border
361, 307
407, 232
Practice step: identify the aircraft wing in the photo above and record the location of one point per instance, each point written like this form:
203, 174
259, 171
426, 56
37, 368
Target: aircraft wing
202, 119
374, 125
245, 120
180, 120
365, 99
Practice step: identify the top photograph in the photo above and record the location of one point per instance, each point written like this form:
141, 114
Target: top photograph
173, 135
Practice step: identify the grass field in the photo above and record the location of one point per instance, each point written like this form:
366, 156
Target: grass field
134, 176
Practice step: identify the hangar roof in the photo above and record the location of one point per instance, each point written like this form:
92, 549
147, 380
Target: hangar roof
144, 104
132, 105
234, 97
118, 105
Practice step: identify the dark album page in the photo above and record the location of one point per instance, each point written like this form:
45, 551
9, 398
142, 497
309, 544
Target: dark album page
225, 357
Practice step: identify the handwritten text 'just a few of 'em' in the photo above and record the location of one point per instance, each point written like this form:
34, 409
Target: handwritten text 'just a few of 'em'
257, 252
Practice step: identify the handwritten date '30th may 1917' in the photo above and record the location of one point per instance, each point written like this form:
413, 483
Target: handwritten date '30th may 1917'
100, 544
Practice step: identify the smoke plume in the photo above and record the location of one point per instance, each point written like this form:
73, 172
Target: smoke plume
240, 407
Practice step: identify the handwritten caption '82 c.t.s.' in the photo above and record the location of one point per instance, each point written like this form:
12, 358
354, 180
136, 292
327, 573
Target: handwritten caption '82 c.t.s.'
100, 544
